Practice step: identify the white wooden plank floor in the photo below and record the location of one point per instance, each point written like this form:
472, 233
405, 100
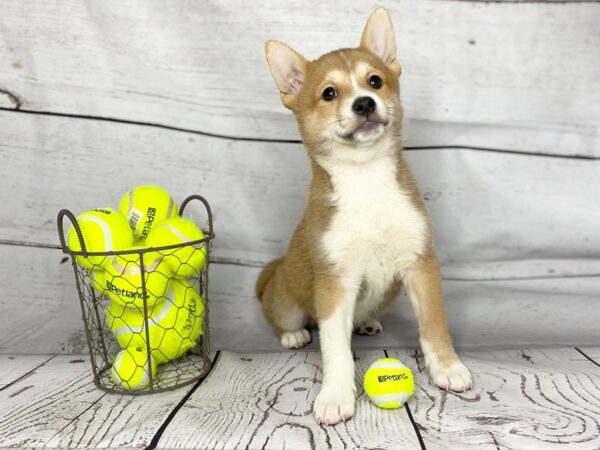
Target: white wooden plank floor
56, 405
522, 399
267, 403
13, 367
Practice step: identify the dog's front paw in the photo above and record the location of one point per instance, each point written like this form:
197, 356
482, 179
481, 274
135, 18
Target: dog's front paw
456, 377
334, 404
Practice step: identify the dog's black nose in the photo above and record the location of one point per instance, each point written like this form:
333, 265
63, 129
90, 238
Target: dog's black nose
363, 106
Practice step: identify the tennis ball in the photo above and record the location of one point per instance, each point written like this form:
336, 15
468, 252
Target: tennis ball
130, 369
122, 279
145, 207
174, 324
186, 261
389, 383
103, 230
128, 323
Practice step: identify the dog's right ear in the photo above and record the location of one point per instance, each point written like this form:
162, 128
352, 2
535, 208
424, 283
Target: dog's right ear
288, 68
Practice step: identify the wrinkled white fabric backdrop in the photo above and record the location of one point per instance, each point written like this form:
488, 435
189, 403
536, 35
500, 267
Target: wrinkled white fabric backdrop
502, 105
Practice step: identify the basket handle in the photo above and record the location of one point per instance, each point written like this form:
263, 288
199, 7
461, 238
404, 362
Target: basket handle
61, 232
206, 206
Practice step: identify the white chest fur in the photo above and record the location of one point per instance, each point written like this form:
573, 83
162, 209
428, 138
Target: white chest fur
376, 230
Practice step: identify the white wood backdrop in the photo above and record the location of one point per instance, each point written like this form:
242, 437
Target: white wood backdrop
502, 102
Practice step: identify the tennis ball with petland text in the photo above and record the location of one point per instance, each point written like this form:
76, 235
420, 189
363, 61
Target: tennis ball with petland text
121, 279
174, 324
389, 383
145, 207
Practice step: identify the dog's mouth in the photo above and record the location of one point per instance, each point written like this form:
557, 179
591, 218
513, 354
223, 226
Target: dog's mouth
366, 127
369, 125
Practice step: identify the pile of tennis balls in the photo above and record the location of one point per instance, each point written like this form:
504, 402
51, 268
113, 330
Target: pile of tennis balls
171, 306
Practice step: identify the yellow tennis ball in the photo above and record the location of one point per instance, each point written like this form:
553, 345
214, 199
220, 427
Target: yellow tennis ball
128, 324
389, 383
174, 324
145, 207
103, 230
178, 331
186, 261
122, 279
130, 369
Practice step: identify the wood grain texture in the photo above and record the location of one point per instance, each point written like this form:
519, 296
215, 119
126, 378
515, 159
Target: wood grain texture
265, 401
592, 353
15, 367
525, 312
531, 66
58, 406
37, 408
485, 207
522, 399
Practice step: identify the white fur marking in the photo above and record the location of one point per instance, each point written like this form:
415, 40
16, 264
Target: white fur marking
336, 75
455, 377
335, 401
357, 92
295, 339
376, 230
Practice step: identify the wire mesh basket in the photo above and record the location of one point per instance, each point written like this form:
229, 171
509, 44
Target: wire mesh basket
145, 310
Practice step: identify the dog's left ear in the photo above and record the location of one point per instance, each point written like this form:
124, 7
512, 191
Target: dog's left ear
378, 38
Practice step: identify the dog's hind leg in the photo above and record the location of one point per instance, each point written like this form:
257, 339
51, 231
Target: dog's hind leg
285, 316
370, 306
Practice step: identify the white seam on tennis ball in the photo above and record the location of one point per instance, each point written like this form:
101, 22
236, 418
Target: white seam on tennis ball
152, 321
117, 265
134, 268
144, 381
118, 359
177, 233
130, 202
105, 229
386, 398
153, 266
387, 365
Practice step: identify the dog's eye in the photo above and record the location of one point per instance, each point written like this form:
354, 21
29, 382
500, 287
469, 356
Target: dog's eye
375, 82
329, 94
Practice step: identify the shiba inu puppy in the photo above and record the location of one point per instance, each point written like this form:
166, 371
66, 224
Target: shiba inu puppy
365, 232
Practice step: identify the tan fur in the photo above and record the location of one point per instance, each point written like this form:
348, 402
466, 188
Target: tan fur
265, 276
327, 287
304, 260
294, 279
306, 284
423, 282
